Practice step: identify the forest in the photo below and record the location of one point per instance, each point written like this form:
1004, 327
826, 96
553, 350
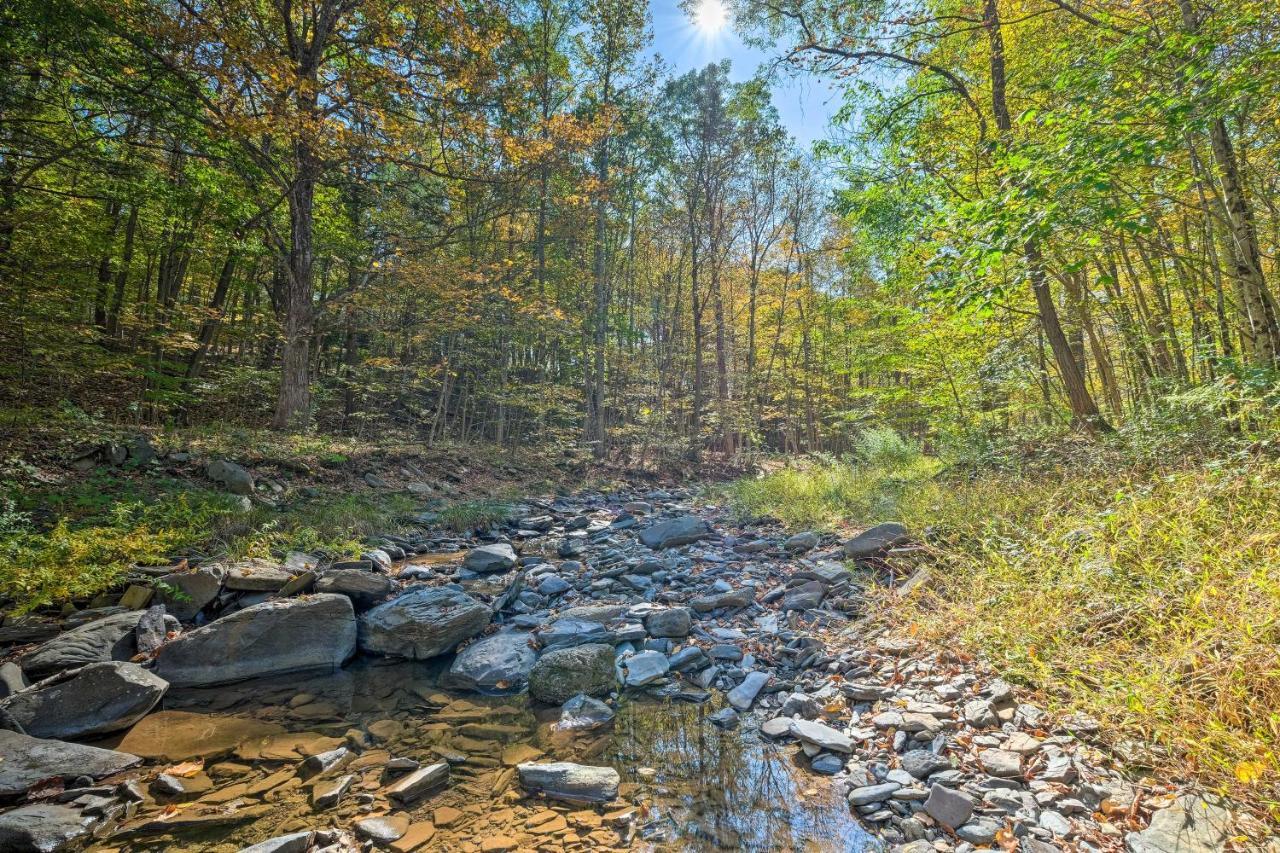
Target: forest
1014, 289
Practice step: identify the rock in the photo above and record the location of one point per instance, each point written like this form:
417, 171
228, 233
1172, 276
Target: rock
422, 623
921, 762
256, 576
725, 718
821, 735
93, 700
415, 785
645, 667
230, 476
180, 735
41, 828
490, 558
575, 783
553, 585
497, 664
108, 638
184, 594
827, 764
584, 712
868, 794
804, 597
328, 793
1193, 824
561, 674
137, 597
152, 630
569, 631
731, 599
1000, 762
363, 588
877, 539
949, 808
674, 622
11, 679
312, 634
673, 533
26, 761
688, 658
800, 542
295, 842
383, 829
979, 832
744, 695
978, 713
776, 727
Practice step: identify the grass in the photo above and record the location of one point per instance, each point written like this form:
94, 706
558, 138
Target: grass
1146, 596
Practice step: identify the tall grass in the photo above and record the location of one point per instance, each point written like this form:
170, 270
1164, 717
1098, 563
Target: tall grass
1148, 597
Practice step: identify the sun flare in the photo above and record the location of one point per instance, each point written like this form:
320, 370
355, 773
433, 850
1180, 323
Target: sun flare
711, 16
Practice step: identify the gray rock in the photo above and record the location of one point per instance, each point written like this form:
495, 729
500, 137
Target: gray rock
363, 588
490, 558
744, 695
645, 667
108, 638
949, 808
822, 735
184, 594
312, 634
553, 585
230, 476
675, 532
92, 700
561, 674
731, 599
804, 597
725, 718
584, 712
674, 622
875, 540
921, 762
688, 658
11, 679
417, 784
294, 842
26, 761
256, 576
979, 832
570, 631
41, 828
868, 794
1193, 824
1000, 762
497, 664
422, 623
575, 783
827, 764
382, 829
800, 542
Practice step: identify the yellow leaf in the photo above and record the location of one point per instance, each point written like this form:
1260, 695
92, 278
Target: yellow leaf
1249, 772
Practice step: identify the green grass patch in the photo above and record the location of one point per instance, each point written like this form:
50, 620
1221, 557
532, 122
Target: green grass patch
1147, 596
464, 515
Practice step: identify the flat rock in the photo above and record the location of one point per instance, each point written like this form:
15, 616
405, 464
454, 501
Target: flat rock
256, 576
821, 735
499, 557
294, 842
572, 631
500, 663
674, 622
561, 674
26, 761
645, 667
422, 623
744, 695
877, 539
674, 532
804, 597
731, 599
312, 634
181, 735
383, 829
92, 700
1193, 824
108, 638
41, 828
364, 588
418, 783
184, 594
948, 807
577, 783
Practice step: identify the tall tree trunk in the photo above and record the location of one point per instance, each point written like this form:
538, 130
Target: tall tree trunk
294, 400
1084, 410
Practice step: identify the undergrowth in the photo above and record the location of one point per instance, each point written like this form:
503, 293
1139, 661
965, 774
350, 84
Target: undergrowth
1145, 593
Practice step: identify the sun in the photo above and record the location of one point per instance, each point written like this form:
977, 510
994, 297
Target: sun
710, 16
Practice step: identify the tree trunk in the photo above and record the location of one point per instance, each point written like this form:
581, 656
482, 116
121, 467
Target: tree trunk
294, 400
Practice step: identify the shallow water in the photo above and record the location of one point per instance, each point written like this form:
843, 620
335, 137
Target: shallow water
687, 784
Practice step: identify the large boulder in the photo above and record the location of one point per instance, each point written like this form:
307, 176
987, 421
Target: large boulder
877, 539
1193, 824
108, 638
28, 761
422, 623
561, 674
674, 532
230, 476
41, 828
363, 588
490, 558
497, 664
311, 634
93, 700
575, 783
184, 594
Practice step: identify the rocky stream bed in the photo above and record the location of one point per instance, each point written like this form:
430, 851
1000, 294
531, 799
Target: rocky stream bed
625, 671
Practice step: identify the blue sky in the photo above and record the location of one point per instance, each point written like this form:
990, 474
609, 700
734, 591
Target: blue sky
805, 105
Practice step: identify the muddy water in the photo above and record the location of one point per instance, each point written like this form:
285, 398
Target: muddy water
686, 784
